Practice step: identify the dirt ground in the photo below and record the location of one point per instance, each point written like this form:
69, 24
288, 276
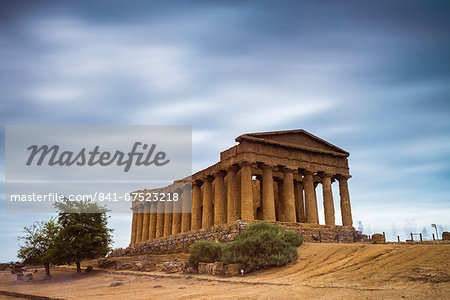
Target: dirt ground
322, 271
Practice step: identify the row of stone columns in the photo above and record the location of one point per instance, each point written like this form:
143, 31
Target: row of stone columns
160, 219
226, 203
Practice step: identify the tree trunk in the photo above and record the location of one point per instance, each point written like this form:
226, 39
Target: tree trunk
47, 270
78, 267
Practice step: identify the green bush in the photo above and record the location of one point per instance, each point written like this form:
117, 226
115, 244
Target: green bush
262, 246
205, 251
259, 246
289, 237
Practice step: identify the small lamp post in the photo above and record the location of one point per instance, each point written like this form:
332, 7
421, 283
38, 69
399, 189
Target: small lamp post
435, 227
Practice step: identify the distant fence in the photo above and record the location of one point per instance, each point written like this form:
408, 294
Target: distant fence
408, 237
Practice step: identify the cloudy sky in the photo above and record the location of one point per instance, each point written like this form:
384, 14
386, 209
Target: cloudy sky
370, 77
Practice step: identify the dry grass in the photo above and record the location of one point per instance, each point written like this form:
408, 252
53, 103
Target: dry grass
322, 271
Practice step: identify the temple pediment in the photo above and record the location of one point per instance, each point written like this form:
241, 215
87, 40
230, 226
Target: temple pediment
299, 138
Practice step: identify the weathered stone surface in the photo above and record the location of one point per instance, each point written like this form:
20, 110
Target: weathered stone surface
123, 266
190, 268
105, 263
209, 268
218, 268
378, 238
202, 268
116, 283
172, 266
231, 270
446, 236
364, 238
137, 266
149, 266
205, 268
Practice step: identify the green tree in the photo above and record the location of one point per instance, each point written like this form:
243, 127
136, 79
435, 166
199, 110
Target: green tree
84, 233
39, 242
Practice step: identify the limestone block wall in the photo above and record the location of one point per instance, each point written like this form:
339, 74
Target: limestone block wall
226, 232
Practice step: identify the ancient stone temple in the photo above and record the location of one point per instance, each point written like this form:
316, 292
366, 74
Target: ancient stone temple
270, 176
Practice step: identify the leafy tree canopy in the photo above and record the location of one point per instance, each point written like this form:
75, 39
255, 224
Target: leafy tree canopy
39, 243
84, 233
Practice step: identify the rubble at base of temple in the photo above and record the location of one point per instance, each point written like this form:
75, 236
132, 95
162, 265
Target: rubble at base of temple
225, 233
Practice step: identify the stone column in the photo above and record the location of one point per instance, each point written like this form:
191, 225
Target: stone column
152, 226
237, 211
268, 198
346, 210
140, 223
328, 205
312, 215
133, 227
160, 219
207, 216
246, 192
289, 197
186, 207
258, 198
146, 221
196, 206
168, 215
280, 207
177, 207
232, 194
299, 202
220, 205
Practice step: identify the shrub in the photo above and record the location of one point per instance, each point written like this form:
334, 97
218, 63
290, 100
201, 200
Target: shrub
205, 251
262, 246
259, 246
289, 237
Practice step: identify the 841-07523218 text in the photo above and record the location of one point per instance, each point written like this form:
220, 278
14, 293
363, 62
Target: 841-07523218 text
101, 197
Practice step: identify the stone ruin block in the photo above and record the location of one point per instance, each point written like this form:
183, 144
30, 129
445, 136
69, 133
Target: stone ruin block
209, 268
149, 266
231, 270
205, 268
189, 268
202, 268
105, 263
378, 238
123, 266
218, 268
172, 266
